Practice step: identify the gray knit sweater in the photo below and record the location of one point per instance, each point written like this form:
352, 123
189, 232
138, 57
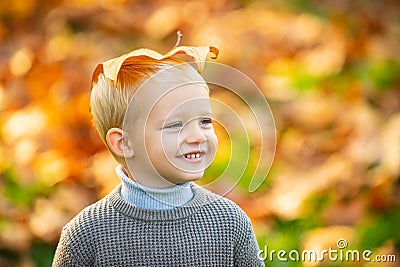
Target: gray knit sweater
208, 231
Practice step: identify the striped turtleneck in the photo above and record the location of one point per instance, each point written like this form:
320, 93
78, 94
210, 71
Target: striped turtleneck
153, 198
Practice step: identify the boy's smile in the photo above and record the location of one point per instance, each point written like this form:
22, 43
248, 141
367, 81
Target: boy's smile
179, 137
194, 156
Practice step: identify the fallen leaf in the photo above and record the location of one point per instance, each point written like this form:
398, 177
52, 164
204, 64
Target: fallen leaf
198, 53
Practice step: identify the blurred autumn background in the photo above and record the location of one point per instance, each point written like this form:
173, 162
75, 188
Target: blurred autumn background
329, 69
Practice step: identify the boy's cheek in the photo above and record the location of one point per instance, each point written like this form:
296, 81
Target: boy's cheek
214, 138
169, 139
213, 144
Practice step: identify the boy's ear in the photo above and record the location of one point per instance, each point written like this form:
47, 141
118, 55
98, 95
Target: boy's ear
119, 144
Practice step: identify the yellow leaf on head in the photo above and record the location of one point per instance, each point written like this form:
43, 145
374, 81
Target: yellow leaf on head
198, 53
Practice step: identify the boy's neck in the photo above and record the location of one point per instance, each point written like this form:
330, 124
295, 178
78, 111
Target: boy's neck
146, 181
153, 198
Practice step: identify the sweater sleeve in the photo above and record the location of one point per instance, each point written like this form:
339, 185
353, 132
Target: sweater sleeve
247, 250
71, 251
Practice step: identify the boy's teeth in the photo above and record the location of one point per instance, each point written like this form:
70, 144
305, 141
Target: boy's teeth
192, 156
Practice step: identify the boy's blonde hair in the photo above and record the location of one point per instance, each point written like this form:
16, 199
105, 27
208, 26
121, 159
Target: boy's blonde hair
110, 99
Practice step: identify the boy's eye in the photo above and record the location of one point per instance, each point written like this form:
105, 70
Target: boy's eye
174, 125
205, 121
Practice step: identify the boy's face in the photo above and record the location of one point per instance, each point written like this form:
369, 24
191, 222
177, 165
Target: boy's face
179, 136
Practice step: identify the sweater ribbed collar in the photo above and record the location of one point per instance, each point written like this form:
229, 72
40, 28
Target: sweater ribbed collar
153, 198
202, 197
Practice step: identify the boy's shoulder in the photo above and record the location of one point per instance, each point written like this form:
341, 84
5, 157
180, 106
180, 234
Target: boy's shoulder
112, 207
88, 218
212, 198
221, 206
216, 199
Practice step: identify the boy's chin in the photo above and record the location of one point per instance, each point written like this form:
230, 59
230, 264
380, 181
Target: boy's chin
189, 177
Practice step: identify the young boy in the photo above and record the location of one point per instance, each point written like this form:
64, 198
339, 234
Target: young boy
153, 113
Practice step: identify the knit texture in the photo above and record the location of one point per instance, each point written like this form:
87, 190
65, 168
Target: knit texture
208, 231
153, 198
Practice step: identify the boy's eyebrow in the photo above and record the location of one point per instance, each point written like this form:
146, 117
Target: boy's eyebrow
206, 112
182, 114
179, 115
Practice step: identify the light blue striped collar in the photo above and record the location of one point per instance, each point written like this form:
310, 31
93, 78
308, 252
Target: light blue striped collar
153, 198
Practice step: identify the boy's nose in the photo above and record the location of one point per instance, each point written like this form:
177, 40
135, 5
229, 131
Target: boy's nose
192, 133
